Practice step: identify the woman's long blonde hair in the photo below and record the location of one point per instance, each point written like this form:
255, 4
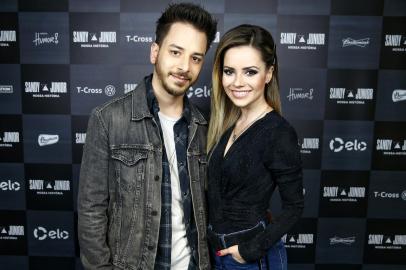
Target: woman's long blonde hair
224, 113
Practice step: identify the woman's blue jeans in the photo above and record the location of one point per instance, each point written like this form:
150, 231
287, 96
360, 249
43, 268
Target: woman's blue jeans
275, 259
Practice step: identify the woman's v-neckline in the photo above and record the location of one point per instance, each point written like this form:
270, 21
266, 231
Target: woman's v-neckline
225, 153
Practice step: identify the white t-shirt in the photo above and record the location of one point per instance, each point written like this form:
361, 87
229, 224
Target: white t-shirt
181, 253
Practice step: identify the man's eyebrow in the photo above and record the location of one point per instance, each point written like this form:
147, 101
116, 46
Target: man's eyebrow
182, 49
176, 46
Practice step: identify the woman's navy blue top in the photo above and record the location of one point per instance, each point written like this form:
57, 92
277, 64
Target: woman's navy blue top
241, 183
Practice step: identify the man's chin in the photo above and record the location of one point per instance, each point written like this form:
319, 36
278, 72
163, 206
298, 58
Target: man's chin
176, 92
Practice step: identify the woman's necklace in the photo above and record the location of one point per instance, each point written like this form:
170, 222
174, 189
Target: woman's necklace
235, 136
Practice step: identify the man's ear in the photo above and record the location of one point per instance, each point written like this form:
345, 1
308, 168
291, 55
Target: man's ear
154, 53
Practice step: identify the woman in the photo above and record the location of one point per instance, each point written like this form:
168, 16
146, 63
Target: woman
252, 150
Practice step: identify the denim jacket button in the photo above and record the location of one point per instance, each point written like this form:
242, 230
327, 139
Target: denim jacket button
154, 213
156, 178
150, 247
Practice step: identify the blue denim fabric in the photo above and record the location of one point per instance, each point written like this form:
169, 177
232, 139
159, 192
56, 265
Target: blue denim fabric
277, 260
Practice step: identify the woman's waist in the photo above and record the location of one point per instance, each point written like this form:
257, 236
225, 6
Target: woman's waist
231, 221
221, 238
236, 218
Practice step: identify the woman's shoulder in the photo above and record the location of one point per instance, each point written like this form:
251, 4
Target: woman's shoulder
276, 123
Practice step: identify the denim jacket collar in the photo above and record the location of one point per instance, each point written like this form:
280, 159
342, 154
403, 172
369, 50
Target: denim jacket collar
141, 104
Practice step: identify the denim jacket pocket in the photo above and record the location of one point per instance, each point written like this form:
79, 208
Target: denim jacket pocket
130, 169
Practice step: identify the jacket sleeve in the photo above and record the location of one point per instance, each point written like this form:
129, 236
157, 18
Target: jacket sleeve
282, 158
93, 197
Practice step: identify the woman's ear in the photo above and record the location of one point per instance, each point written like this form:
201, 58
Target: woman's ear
269, 74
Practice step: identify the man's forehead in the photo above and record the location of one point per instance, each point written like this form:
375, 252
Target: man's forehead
186, 37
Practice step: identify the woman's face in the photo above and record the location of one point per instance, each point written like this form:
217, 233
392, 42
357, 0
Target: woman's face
244, 76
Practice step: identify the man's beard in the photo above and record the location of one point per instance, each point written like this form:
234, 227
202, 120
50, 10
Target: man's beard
170, 90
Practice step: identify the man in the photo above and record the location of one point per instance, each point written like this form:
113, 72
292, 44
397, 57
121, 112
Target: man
141, 192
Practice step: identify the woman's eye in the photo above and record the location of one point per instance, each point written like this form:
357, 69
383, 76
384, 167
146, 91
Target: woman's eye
251, 72
227, 71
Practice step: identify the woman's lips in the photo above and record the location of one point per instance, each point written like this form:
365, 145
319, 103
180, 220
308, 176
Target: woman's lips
240, 93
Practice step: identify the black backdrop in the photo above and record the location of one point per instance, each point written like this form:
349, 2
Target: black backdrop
343, 87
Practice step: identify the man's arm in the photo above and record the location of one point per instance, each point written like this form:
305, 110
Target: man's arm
93, 197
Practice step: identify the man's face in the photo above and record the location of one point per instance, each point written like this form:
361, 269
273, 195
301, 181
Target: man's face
179, 59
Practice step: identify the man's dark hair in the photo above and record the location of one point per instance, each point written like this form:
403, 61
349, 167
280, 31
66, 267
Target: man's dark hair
186, 13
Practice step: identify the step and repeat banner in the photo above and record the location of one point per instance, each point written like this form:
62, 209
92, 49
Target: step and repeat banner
343, 87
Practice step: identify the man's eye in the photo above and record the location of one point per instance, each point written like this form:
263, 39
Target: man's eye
196, 59
176, 53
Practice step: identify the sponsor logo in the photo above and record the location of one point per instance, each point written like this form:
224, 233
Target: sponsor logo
9, 137
109, 90
300, 93
351, 96
46, 90
47, 139
341, 194
199, 92
80, 138
396, 42
355, 42
391, 147
45, 38
382, 241
128, 87
398, 95
338, 145
10, 185
336, 240
298, 240
139, 39
49, 187
6, 89
390, 195
42, 233
295, 41
11, 232
101, 39
309, 144
7, 36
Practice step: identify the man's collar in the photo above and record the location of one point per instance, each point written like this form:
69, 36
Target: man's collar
153, 104
142, 104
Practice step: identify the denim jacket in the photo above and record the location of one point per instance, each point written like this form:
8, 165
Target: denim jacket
119, 200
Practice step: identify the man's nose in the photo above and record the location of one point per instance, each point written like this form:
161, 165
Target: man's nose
183, 64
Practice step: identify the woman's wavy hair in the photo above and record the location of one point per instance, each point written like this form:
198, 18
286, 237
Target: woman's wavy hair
224, 113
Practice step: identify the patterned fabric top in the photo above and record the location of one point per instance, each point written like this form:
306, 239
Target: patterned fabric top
180, 130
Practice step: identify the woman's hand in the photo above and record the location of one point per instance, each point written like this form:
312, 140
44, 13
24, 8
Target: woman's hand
233, 251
